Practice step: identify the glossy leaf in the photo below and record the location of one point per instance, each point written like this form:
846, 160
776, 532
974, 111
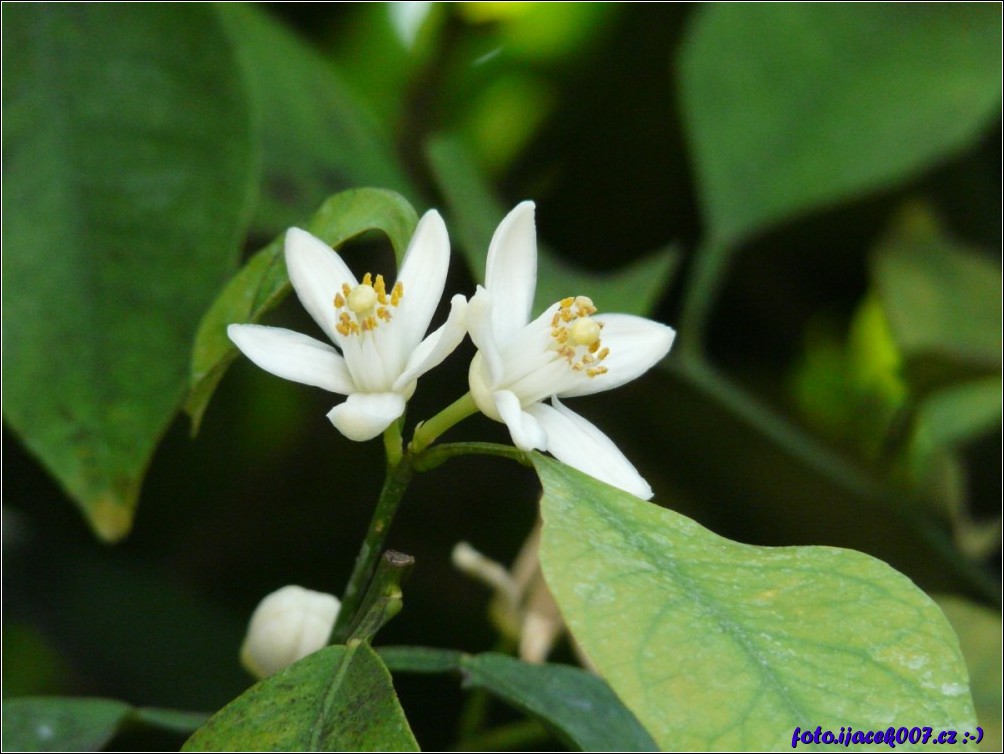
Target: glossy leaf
793, 106
263, 282
716, 645
979, 630
577, 705
81, 724
316, 138
127, 174
475, 213
337, 699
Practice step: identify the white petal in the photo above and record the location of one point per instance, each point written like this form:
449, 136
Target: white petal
423, 276
526, 432
440, 344
365, 415
636, 345
293, 356
511, 270
579, 443
317, 274
479, 325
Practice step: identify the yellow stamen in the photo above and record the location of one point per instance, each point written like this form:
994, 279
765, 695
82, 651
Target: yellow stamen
572, 329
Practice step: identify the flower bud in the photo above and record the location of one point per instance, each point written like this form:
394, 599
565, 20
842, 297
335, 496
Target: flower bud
287, 625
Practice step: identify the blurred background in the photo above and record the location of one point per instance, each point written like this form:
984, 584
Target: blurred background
810, 195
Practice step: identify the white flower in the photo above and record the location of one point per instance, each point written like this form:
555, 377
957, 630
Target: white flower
379, 330
564, 352
288, 625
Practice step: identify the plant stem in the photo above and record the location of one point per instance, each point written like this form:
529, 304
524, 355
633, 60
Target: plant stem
398, 477
427, 432
433, 457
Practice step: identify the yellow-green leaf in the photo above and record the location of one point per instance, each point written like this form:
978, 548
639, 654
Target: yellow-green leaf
719, 645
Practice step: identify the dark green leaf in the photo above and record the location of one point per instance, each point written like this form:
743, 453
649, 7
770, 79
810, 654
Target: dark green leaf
577, 705
475, 213
792, 106
316, 139
80, 724
128, 167
337, 699
716, 645
263, 283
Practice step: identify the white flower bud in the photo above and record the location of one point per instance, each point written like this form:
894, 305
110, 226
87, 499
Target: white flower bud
287, 625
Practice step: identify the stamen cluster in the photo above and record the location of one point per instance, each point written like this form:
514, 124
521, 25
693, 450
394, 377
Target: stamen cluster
574, 331
368, 303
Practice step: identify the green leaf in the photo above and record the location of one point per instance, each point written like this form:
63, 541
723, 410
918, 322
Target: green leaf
715, 644
337, 699
263, 283
316, 138
793, 106
128, 168
576, 704
81, 724
943, 301
979, 631
634, 289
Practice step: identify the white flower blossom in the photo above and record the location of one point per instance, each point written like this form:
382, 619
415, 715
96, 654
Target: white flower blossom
378, 329
288, 625
568, 350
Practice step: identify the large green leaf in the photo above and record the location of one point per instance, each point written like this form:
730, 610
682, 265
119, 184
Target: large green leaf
715, 644
792, 106
263, 283
475, 213
577, 705
337, 699
979, 631
127, 171
316, 138
81, 724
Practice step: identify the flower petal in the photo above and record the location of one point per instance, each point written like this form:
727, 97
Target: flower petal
479, 325
365, 415
293, 356
511, 270
636, 345
438, 345
526, 432
423, 277
317, 274
579, 443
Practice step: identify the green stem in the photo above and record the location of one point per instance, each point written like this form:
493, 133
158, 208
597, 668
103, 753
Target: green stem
394, 486
427, 432
439, 454
393, 444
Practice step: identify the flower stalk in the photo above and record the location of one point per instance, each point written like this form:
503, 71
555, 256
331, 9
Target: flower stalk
398, 477
427, 432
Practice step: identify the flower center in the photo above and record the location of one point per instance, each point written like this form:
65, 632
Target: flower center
576, 336
363, 307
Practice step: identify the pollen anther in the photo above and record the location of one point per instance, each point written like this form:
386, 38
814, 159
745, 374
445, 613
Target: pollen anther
367, 305
572, 329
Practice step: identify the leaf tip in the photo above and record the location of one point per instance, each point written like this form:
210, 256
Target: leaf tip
110, 519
